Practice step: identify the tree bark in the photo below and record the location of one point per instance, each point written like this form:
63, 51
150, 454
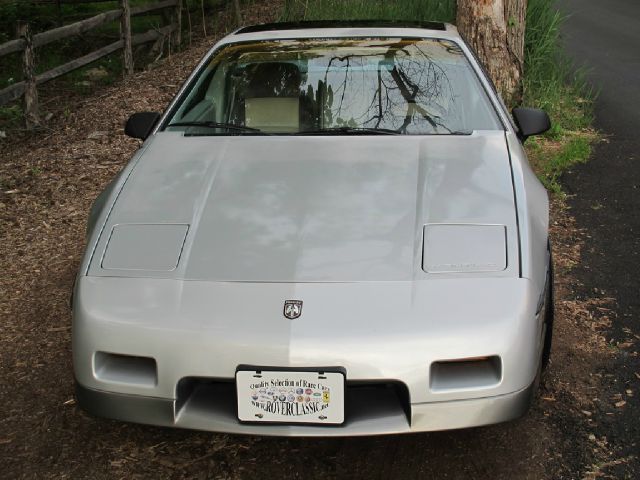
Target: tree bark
236, 5
495, 30
178, 23
204, 18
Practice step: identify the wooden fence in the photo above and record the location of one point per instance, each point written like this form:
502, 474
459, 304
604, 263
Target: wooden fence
27, 43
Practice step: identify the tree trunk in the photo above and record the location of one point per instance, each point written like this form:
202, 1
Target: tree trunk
178, 23
236, 5
204, 18
495, 30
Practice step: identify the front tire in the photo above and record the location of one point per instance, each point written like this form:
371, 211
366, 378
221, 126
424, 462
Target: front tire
549, 314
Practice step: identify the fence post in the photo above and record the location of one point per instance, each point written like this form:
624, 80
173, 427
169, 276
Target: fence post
31, 114
125, 34
178, 23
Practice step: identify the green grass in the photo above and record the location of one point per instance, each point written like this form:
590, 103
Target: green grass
552, 83
10, 116
420, 10
42, 17
551, 158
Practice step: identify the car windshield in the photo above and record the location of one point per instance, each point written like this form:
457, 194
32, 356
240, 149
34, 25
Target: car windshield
408, 86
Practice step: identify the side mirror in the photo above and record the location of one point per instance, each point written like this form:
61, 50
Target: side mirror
140, 124
531, 121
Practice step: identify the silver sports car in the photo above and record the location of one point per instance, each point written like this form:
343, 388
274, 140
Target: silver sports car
332, 230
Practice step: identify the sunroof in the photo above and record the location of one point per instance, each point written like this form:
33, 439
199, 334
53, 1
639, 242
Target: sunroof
268, 27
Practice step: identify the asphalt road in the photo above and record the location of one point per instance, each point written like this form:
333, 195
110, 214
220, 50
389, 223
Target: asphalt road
604, 37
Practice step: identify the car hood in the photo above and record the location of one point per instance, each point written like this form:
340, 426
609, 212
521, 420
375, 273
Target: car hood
306, 209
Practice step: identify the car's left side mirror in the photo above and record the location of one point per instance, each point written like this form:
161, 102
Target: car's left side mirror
531, 121
140, 124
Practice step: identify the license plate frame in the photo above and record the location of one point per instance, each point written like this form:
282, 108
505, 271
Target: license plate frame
312, 396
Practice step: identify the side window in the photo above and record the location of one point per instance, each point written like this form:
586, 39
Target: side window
199, 106
493, 87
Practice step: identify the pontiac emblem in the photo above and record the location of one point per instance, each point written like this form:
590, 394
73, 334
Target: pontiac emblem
292, 309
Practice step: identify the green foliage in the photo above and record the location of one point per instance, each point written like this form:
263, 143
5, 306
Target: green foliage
552, 83
46, 16
550, 80
42, 17
11, 116
420, 10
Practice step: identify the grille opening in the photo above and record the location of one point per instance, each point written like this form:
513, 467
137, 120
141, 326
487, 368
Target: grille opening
201, 398
364, 395
469, 373
129, 369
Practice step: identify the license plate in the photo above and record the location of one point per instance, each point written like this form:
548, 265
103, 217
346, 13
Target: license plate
290, 397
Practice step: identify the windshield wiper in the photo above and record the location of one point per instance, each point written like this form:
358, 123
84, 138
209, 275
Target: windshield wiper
227, 126
351, 131
372, 131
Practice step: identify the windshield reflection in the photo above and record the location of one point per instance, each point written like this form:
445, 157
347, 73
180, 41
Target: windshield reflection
408, 86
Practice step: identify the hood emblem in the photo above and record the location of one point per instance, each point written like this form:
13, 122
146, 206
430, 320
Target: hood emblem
292, 309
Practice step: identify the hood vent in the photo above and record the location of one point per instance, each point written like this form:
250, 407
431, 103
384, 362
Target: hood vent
144, 247
464, 248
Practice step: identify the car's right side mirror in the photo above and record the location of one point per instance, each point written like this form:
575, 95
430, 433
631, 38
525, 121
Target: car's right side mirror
531, 121
141, 124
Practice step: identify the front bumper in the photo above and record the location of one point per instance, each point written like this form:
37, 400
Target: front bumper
211, 407
384, 335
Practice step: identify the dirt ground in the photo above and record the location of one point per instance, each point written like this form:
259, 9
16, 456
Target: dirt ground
47, 183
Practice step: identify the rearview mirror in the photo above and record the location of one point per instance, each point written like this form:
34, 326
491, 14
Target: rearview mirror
140, 124
531, 121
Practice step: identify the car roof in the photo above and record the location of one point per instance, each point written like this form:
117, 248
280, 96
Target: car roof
343, 28
320, 24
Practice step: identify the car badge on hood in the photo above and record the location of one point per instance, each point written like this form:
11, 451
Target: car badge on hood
292, 309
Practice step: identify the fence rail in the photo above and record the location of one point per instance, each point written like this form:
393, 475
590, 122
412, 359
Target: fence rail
26, 43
